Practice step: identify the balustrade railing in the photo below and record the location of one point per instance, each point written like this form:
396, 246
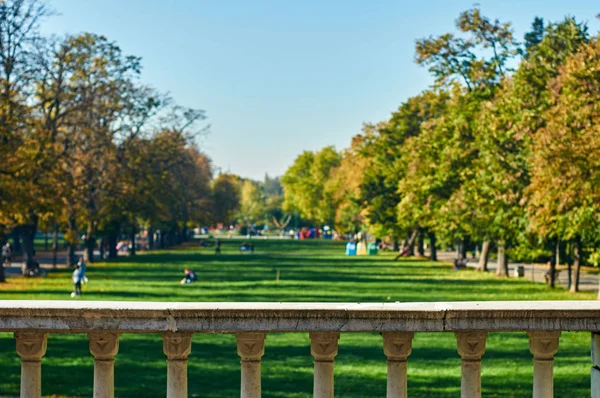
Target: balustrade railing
543, 321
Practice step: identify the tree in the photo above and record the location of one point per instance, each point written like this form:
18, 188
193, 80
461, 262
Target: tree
23, 144
382, 152
565, 193
344, 188
451, 58
304, 186
252, 206
225, 198
535, 35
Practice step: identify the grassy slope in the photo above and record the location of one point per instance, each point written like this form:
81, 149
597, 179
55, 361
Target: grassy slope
310, 271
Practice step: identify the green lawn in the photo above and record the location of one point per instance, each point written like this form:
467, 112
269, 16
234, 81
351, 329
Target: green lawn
310, 271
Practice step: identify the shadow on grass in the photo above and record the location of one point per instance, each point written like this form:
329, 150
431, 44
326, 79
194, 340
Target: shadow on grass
309, 271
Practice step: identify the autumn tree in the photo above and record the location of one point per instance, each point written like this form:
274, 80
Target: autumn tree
344, 187
24, 144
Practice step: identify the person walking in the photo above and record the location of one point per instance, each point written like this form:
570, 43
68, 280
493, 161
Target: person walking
83, 267
6, 254
77, 279
217, 247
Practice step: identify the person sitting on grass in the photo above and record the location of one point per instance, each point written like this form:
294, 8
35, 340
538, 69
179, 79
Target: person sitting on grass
6, 254
460, 263
247, 247
190, 276
404, 252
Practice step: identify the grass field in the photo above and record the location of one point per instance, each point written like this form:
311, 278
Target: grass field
309, 271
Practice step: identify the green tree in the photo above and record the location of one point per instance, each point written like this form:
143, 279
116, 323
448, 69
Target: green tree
225, 198
252, 207
304, 186
451, 58
565, 173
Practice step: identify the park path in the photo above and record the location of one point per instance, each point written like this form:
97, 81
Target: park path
535, 273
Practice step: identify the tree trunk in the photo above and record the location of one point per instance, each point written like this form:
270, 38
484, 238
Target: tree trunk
421, 243
483, 258
553, 259
569, 259
112, 244
132, 239
102, 247
184, 234
396, 245
180, 236
411, 242
46, 241
150, 238
55, 246
90, 243
502, 268
463, 250
576, 265
28, 235
16, 235
433, 250
71, 252
161, 240
171, 238
71, 255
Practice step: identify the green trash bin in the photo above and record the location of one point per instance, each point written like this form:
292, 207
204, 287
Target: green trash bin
372, 249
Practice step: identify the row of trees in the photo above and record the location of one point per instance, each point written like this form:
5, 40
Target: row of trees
502, 151
87, 149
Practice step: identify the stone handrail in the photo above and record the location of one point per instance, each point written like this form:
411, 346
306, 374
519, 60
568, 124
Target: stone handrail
250, 322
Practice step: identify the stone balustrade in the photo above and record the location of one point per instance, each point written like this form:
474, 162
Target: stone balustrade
543, 321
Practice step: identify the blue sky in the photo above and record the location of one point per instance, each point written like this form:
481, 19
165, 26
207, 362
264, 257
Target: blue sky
277, 77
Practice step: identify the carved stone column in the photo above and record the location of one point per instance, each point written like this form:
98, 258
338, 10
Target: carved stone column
31, 347
397, 346
251, 348
595, 373
471, 346
324, 348
543, 346
104, 346
177, 346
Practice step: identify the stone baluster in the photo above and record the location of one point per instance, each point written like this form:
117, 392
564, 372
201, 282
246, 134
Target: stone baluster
471, 346
595, 375
31, 347
324, 348
177, 346
251, 348
543, 345
397, 346
104, 346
